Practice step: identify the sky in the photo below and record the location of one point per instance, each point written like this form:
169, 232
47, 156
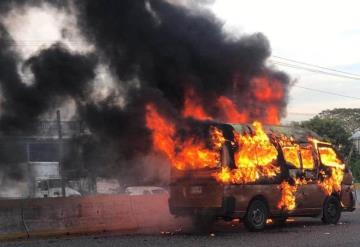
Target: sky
324, 33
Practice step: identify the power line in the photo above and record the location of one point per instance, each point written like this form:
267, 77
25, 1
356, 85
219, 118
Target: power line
301, 113
316, 66
327, 92
315, 70
343, 74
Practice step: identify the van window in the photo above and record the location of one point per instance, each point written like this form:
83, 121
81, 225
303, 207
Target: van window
307, 158
329, 157
291, 155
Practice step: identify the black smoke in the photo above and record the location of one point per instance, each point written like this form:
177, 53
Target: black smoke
58, 76
169, 49
154, 49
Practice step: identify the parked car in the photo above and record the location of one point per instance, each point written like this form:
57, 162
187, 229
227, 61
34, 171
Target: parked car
52, 188
144, 190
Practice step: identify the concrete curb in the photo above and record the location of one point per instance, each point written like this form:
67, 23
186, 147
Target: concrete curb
50, 217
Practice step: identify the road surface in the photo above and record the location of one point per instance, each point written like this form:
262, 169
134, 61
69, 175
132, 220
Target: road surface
301, 232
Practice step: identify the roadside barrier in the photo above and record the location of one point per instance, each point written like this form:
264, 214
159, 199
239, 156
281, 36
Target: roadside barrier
11, 219
88, 214
152, 211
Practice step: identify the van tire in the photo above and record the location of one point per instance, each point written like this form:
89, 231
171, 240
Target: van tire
331, 210
256, 216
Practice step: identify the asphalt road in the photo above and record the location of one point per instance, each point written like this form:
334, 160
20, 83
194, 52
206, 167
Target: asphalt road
309, 232
300, 232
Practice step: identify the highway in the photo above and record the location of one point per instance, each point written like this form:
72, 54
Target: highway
300, 232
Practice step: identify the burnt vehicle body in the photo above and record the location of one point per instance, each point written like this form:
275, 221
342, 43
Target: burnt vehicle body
198, 194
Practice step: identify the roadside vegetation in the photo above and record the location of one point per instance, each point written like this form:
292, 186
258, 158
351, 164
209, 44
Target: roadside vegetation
337, 126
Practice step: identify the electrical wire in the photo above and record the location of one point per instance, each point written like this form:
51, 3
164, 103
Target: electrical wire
316, 66
315, 70
327, 92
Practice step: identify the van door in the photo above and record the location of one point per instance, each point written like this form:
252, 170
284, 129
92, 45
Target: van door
197, 188
312, 193
293, 164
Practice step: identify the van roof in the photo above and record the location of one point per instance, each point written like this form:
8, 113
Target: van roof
298, 133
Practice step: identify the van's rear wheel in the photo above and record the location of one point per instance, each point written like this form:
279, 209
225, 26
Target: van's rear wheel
331, 210
256, 216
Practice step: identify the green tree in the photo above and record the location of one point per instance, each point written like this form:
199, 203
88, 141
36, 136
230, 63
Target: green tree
334, 131
331, 130
349, 117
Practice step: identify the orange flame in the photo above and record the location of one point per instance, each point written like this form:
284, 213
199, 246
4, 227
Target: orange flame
288, 194
267, 89
255, 158
193, 108
329, 158
183, 154
307, 157
287, 200
331, 182
230, 111
272, 115
291, 155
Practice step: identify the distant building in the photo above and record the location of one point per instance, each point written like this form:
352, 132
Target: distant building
355, 138
42, 145
23, 155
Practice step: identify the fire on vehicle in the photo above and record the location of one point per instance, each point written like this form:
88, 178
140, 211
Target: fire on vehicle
252, 172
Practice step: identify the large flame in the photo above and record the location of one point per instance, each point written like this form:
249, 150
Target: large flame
307, 157
288, 194
255, 158
287, 200
268, 92
255, 155
189, 153
329, 158
331, 182
230, 112
193, 107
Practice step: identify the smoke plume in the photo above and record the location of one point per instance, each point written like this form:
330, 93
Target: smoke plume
160, 53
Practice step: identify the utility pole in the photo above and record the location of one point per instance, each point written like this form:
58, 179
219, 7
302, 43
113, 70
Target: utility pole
60, 143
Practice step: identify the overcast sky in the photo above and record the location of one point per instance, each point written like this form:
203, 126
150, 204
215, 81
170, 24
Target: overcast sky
324, 33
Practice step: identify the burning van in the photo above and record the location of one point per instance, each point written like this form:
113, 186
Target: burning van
255, 173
